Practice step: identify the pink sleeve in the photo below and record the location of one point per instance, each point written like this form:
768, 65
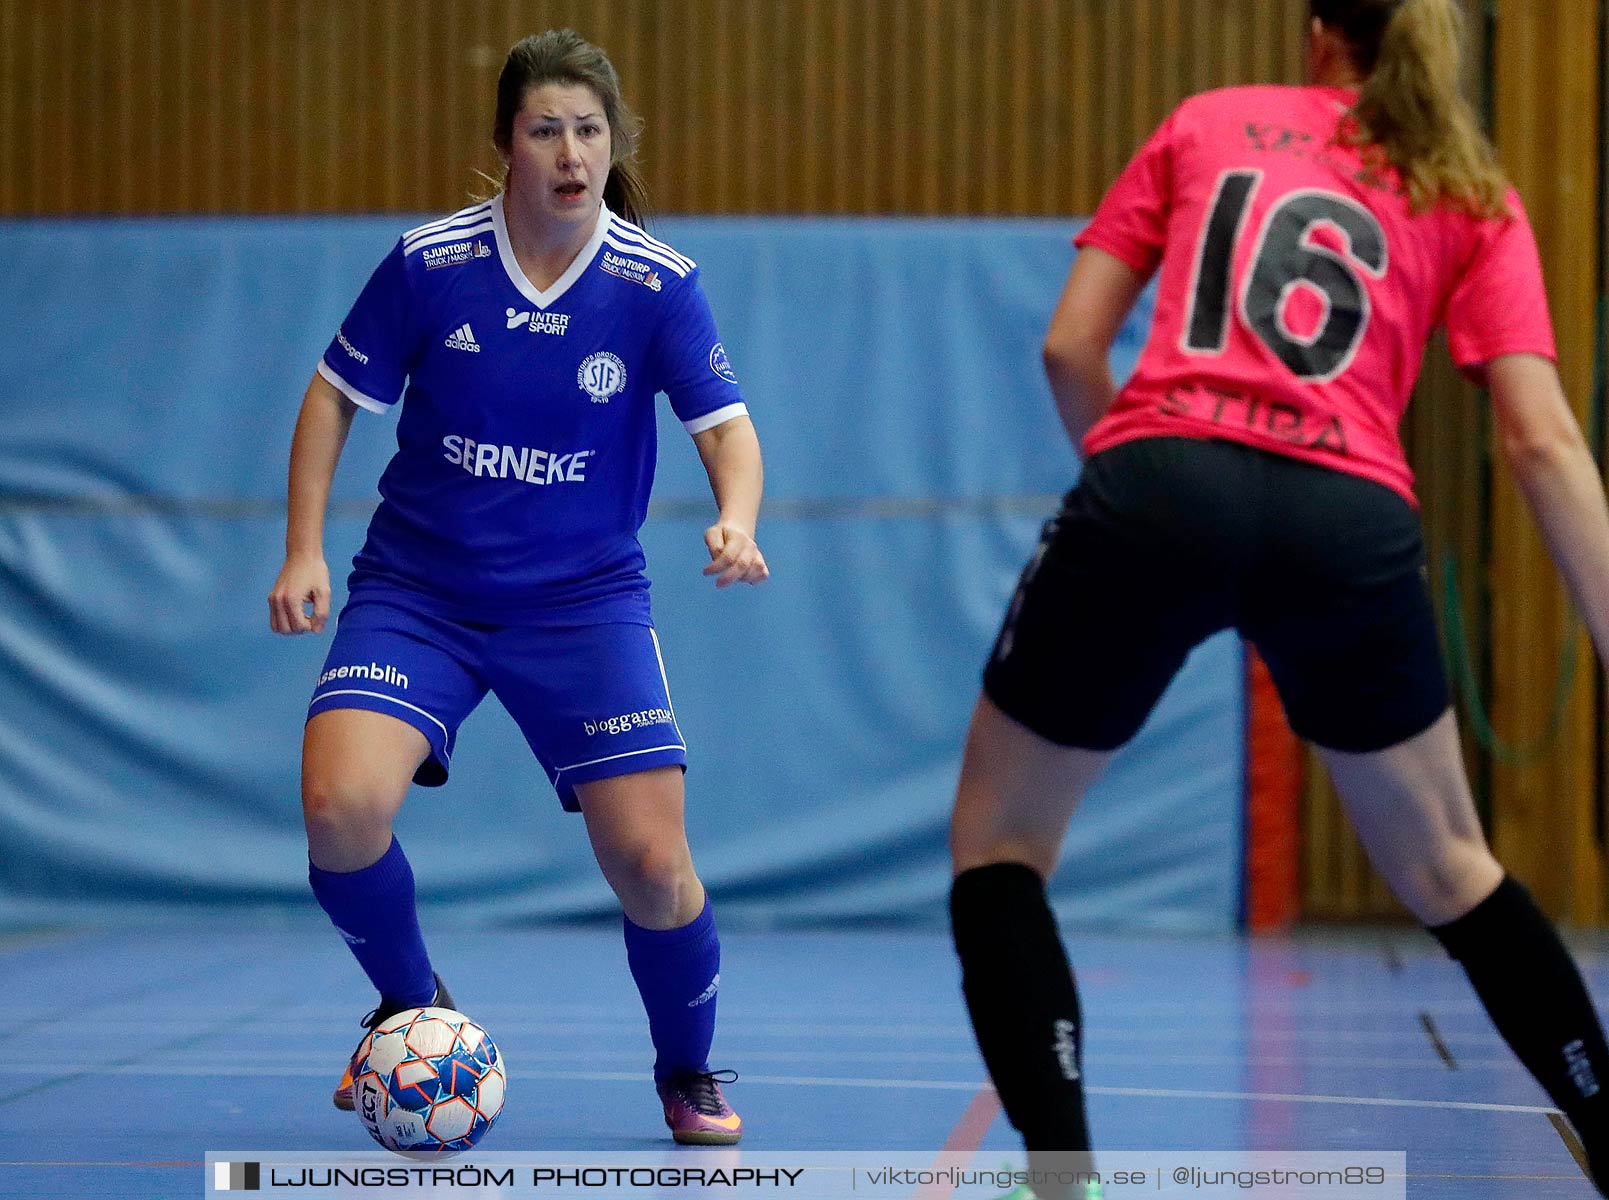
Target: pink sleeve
1499, 305
1132, 220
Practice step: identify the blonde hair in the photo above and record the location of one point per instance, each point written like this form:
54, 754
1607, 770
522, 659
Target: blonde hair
1411, 112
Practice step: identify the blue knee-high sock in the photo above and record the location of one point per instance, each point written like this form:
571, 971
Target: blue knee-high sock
678, 972
373, 909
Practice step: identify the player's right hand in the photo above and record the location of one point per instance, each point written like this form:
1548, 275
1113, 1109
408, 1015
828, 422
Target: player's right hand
301, 582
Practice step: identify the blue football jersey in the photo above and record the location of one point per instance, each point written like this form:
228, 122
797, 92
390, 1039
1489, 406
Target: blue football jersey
526, 443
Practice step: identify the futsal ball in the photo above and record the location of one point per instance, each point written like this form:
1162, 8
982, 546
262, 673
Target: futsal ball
431, 1082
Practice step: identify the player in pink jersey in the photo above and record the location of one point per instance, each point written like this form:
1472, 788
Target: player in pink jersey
1249, 475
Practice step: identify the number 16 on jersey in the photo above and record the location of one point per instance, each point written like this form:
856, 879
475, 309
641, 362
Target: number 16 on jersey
1286, 257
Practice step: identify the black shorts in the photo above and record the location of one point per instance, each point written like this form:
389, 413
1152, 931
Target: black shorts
1167, 540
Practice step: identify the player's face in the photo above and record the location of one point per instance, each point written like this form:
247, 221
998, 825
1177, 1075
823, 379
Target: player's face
558, 154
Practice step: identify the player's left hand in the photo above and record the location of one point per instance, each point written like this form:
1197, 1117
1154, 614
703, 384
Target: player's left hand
734, 556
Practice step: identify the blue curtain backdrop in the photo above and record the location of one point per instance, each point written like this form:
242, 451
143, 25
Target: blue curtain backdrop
151, 730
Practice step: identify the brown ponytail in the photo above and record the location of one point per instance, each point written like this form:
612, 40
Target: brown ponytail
1411, 111
563, 56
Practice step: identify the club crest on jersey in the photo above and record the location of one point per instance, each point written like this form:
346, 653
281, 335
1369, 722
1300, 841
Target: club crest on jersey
601, 375
720, 365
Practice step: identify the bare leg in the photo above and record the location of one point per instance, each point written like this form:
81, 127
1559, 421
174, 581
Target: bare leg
356, 768
636, 825
1413, 811
1017, 794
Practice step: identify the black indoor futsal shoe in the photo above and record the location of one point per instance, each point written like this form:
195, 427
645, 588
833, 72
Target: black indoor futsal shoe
344, 1097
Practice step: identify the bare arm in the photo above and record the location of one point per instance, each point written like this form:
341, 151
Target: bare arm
1100, 291
321, 430
1545, 449
731, 455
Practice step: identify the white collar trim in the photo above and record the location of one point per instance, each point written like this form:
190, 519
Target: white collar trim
516, 276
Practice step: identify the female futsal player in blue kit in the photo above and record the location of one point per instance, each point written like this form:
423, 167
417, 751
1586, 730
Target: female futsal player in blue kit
532, 333
1307, 241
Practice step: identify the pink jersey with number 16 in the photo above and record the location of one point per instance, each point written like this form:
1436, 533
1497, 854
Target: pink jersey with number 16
1298, 288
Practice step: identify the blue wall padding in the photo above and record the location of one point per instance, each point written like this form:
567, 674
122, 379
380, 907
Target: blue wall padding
149, 749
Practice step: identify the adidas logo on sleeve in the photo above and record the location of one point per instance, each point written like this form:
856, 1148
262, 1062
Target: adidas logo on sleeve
463, 338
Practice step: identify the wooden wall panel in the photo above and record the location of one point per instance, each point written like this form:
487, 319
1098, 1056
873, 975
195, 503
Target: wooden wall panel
1539, 788
11, 97
753, 106
945, 107
1549, 126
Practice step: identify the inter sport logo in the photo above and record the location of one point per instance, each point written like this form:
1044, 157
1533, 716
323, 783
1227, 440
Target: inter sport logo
538, 322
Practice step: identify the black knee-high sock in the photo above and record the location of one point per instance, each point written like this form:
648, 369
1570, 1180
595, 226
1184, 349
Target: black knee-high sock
1534, 994
1024, 1003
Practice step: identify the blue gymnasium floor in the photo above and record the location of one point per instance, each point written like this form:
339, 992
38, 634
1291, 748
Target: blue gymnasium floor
133, 1052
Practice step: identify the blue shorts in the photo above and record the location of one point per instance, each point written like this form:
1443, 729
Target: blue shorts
592, 700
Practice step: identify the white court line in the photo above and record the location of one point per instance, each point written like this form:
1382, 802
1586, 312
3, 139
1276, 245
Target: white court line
14, 1162
1371, 1101
943, 1085
737, 1026
1427, 1062
1152, 1093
